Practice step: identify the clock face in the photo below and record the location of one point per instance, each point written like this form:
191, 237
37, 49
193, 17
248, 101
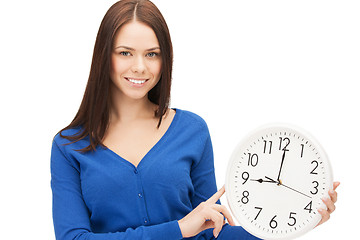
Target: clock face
275, 180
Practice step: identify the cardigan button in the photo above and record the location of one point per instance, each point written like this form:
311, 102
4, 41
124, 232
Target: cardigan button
145, 220
136, 171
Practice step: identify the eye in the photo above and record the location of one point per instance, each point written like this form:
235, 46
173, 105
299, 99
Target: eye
124, 53
152, 54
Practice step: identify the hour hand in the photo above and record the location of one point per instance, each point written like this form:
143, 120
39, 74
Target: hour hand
260, 180
271, 180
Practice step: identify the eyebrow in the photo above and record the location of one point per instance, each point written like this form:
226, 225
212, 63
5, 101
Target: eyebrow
132, 49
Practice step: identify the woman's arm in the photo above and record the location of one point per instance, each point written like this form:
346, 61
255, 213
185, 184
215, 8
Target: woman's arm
71, 216
208, 213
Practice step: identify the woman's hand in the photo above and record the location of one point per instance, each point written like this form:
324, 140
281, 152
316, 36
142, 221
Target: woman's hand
330, 204
206, 215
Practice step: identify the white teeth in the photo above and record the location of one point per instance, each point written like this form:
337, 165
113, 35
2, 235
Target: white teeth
136, 81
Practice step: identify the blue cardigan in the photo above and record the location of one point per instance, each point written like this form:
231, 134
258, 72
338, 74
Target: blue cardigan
99, 195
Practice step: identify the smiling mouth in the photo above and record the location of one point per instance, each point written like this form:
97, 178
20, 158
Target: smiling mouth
136, 81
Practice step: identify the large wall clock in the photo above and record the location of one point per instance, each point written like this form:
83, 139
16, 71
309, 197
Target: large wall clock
275, 181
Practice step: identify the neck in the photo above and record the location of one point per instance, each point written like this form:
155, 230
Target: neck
129, 110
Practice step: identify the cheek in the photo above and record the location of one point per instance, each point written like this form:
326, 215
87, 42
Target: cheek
156, 69
118, 67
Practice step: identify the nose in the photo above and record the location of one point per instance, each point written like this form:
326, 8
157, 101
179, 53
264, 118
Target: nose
139, 65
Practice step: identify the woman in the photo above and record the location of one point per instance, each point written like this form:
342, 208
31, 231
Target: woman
128, 166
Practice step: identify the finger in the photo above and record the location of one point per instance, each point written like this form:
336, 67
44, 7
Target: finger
214, 198
333, 195
225, 212
217, 219
325, 215
335, 185
329, 204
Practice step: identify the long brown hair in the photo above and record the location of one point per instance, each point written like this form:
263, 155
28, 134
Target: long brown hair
94, 112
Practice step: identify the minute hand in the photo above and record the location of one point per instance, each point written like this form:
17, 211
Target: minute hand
280, 184
295, 190
282, 162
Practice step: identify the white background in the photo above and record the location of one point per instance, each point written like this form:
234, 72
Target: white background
237, 64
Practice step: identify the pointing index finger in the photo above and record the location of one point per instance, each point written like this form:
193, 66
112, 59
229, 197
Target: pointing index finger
213, 199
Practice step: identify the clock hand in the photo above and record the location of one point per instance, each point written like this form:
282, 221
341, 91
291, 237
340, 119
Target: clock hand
281, 184
295, 190
262, 180
282, 162
272, 180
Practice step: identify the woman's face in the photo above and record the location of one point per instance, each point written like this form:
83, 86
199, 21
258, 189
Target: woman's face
136, 61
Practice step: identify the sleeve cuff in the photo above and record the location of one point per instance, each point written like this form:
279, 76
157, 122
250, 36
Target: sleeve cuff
171, 230
164, 231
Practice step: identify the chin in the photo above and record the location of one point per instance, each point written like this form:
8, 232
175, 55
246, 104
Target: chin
136, 96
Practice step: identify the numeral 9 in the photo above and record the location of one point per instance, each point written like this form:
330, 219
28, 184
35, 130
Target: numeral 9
245, 176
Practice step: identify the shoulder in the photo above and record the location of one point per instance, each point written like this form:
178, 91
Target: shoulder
66, 144
65, 150
191, 119
191, 124
60, 136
